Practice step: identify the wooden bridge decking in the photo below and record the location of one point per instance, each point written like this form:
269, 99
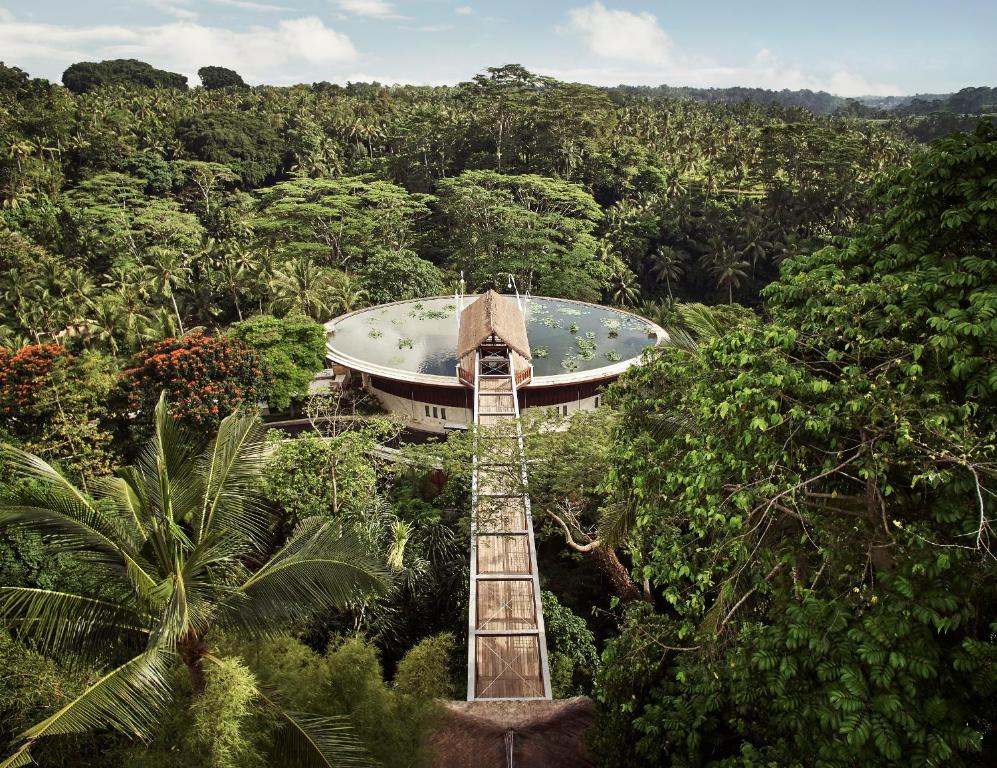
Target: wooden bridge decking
507, 647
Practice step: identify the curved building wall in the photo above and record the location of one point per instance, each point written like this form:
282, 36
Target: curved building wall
434, 408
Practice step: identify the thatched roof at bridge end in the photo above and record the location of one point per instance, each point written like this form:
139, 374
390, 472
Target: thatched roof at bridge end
492, 314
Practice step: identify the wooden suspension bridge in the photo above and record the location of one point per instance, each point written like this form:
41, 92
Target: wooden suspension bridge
507, 647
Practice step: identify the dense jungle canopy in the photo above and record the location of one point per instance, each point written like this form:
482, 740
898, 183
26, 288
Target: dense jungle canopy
771, 546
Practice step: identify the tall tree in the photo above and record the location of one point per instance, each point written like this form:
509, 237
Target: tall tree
178, 536
811, 499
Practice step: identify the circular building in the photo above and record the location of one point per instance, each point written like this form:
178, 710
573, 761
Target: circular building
418, 356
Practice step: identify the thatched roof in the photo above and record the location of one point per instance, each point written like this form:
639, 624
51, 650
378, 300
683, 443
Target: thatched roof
542, 734
492, 314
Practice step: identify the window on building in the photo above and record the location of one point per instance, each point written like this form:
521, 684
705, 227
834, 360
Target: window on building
427, 411
565, 411
443, 413
596, 401
435, 414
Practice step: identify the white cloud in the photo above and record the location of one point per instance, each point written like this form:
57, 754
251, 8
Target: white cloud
620, 35
376, 9
5, 15
247, 5
175, 8
647, 56
463, 10
293, 50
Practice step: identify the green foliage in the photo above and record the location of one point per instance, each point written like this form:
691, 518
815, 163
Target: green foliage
571, 649
423, 672
923, 276
536, 228
171, 538
347, 681
298, 480
220, 77
808, 497
52, 402
312, 475
395, 275
86, 76
339, 222
292, 349
122, 227
220, 717
243, 141
31, 685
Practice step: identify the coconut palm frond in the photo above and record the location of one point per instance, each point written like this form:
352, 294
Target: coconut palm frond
680, 338
69, 521
615, 524
231, 468
20, 758
61, 623
702, 321
128, 699
316, 570
167, 465
309, 741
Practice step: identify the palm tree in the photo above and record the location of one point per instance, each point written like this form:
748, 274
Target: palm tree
726, 266
623, 289
234, 264
306, 287
105, 321
668, 264
18, 150
347, 296
175, 538
172, 269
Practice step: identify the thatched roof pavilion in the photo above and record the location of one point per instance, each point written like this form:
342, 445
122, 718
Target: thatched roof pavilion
512, 734
491, 318
491, 315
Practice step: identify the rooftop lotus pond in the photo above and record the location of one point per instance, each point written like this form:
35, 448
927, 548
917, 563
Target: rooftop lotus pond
420, 336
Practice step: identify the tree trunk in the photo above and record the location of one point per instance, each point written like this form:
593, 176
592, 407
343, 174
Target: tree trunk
616, 572
176, 310
192, 649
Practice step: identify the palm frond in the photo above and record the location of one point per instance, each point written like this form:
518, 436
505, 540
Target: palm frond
167, 468
680, 338
309, 741
59, 622
19, 759
68, 520
50, 489
125, 492
128, 699
702, 321
615, 524
316, 570
231, 468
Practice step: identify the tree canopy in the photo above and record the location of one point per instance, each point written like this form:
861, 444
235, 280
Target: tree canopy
810, 495
131, 73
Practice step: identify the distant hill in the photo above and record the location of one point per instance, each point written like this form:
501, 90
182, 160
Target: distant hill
967, 101
815, 101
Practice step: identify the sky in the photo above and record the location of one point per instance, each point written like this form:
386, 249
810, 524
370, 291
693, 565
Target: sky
847, 47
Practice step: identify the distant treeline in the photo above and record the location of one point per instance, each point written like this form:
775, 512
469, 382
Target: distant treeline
968, 101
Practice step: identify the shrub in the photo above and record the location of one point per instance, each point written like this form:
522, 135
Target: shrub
292, 347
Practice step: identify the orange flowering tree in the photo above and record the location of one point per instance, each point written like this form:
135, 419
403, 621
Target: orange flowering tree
206, 378
54, 403
24, 375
